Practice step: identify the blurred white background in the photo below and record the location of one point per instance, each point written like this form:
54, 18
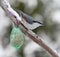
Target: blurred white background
46, 11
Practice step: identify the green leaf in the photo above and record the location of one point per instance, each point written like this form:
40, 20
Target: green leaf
16, 38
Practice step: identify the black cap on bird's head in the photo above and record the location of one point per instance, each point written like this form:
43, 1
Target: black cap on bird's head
29, 22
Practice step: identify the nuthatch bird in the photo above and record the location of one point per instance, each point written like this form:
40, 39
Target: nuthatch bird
28, 21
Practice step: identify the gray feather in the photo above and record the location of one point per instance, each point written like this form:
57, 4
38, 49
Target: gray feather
32, 24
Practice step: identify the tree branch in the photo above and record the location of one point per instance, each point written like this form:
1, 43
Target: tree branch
18, 21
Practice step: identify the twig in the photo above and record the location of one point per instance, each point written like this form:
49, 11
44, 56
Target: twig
17, 20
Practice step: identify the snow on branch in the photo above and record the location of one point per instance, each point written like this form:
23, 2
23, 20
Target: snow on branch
17, 20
